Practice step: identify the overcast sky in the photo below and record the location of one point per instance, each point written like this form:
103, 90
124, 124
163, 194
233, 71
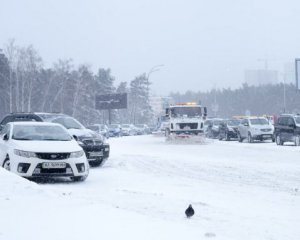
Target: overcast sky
201, 43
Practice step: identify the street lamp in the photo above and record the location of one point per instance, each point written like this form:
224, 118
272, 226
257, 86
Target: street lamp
152, 70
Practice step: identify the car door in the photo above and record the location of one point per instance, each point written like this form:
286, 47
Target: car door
244, 128
290, 129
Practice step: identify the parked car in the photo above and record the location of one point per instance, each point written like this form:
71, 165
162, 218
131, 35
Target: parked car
115, 130
100, 128
94, 145
38, 149
255, 128
212, 129
228, 129
142, 129
287, 129
128, 130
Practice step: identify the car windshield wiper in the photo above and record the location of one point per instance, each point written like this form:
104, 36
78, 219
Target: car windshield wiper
53, 139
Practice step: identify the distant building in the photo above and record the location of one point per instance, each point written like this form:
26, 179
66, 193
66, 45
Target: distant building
289, 72
261, 77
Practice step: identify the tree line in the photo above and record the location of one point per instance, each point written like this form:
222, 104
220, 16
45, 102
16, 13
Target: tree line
27, 86
254, 100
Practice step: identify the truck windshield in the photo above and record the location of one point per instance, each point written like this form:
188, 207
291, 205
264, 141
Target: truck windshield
186, 111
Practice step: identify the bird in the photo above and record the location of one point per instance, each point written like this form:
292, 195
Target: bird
189, 212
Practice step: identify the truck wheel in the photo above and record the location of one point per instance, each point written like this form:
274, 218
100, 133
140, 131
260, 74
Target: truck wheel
250, 139
297, 140
278, 140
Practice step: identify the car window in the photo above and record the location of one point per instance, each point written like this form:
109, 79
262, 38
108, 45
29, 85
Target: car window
290, 121
5, 130
259, 121
94, 128
297, 119
68, 122
282, 121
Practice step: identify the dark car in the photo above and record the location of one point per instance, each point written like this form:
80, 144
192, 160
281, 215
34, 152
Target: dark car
93, 144
212, 130
287, 129
228, 129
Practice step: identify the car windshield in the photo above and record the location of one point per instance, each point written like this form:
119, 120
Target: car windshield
126, 126
40, 133
68, 122
297, 119
259, 121
217, 122
233, 122
186, 111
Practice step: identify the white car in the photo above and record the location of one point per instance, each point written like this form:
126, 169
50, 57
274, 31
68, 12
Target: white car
255, 128
39, 149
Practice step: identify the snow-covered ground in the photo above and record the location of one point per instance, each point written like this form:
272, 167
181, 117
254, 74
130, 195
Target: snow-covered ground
238, 190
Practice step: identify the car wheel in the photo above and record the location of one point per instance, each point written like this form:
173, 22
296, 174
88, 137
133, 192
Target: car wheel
96, 163
227, 138
79, 179
250, 139
297, 140
6, 164
278, 140
240, 139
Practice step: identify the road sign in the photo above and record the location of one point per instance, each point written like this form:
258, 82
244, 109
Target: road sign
111, 101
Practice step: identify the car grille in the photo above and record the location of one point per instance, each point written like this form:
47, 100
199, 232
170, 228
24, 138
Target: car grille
187, 126
53, 156
266, 130
91, 142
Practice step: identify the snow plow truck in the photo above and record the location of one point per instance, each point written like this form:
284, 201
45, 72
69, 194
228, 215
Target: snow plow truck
186, 122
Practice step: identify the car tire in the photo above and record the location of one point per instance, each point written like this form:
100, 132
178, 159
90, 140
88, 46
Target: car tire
227, 138
297, 140
250, 139
279, 140
79, 178
97, 163
6, 164
240, 139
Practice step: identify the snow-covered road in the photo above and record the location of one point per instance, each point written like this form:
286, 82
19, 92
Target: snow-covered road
238, 190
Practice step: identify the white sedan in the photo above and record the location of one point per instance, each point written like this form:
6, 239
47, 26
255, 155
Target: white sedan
39, 149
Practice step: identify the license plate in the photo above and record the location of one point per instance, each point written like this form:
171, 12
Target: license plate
96, 154
54, 165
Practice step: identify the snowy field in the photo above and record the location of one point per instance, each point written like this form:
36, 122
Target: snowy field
239, 191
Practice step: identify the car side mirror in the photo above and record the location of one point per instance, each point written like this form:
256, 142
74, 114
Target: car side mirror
5, 137
75, 137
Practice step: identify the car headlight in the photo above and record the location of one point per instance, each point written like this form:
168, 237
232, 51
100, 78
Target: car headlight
76, 154
24, 153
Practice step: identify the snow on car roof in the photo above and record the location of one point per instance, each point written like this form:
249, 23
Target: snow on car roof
35, 123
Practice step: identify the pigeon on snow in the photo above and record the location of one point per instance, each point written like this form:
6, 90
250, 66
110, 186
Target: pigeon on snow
189, 212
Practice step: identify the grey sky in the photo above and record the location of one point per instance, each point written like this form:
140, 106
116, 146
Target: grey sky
201, 43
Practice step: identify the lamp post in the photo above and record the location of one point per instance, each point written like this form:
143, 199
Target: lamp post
152, 70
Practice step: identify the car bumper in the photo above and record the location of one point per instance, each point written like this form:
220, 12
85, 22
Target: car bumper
33, 167
95, 153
